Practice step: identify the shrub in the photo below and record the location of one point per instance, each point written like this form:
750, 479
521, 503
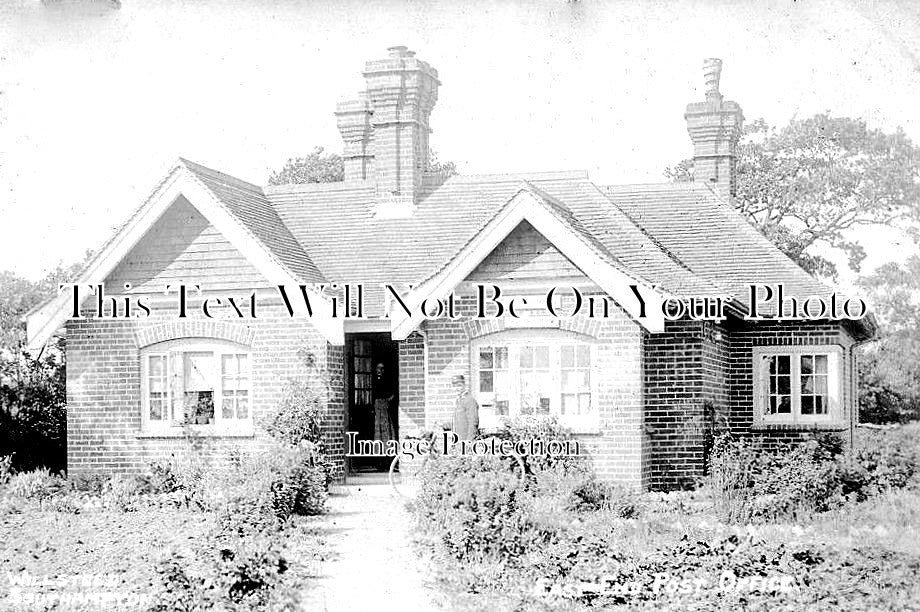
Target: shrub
6, 469
593, 495
122, 493
33, 419
87, 483
262, 492
748, 482
471, 505
162, 477
243, 576
37, 485
731, 478
796, 483
250, 571
527, 428
297, 420
890, 458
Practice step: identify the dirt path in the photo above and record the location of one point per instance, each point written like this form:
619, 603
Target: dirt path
372, 565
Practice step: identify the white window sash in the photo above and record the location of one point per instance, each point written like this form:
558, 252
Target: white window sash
489, 417
761, 373
174, 415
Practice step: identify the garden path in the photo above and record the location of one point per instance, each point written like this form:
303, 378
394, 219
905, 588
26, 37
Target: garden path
372, 565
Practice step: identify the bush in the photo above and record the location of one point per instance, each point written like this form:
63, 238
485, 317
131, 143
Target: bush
527, 428
471, 504
259, 494
6, 469
890, 458
593, 495
122, 493
749, 482
37, 485
87, 483
33, 418
296, 422
731, 478
243, 576
796, 483
163, 477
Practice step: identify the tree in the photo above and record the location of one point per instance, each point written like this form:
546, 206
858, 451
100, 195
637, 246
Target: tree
817, 179
320, 167
316, 167
33, 421
890, 367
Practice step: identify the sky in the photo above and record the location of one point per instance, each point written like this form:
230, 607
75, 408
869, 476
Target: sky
96, 102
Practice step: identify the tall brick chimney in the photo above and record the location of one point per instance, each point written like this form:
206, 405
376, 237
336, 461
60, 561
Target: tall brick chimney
715, 127
386, 130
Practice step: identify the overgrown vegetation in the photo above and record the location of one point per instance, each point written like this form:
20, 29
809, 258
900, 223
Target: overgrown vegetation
768, 531
248, 506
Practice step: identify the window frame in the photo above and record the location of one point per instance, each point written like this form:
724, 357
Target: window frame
835, 385
218, 350
513, 341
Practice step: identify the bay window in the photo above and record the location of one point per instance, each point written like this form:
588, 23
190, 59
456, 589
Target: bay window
797, 384
543, 374
196, 382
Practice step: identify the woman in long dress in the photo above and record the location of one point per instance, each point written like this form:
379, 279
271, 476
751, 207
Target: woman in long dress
383, 398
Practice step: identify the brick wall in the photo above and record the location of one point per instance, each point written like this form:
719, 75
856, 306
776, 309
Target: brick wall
684, 389
104, 386
747, 335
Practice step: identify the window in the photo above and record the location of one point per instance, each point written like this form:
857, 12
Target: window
527, 374
196, 382
797, 384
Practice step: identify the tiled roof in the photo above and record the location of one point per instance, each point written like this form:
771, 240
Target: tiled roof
336, 224
248, 203
682, 237
712, 240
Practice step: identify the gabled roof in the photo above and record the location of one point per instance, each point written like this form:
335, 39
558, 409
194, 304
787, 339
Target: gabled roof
248, 203
564, 231
237, 210
679, 239
336, 223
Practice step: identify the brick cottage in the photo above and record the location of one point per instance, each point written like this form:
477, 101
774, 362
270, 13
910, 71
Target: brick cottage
644, 394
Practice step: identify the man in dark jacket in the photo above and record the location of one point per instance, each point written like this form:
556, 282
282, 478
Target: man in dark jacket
466, 410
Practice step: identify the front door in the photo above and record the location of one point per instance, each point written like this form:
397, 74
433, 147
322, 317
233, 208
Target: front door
372, 367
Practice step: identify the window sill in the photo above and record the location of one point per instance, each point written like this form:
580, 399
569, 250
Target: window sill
833, 426
204, 431
575, 428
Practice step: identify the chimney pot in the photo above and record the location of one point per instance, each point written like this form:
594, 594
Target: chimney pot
712, 73
400, 51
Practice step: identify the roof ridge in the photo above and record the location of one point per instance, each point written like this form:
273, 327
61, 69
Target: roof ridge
676, 186
197, 168
513, 176
287, 188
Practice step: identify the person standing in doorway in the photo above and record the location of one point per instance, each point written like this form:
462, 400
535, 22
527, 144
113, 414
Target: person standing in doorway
466, 410
383, 398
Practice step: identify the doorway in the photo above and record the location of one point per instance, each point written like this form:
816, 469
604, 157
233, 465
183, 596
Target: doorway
369, 386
